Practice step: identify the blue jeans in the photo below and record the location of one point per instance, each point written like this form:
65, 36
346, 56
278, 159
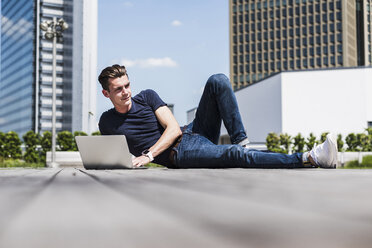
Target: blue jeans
199, 149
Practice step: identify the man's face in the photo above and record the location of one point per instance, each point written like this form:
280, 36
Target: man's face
119, 93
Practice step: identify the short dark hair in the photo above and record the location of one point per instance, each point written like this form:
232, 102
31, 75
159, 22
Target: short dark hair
114, 71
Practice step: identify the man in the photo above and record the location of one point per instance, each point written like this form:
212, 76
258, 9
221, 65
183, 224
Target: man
153, 133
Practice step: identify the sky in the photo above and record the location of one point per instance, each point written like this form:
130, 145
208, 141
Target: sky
170, 46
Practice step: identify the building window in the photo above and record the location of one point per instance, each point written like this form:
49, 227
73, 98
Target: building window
338, 15
325, 50
304, 63
317, 18
332, 49
311, 51
298, 63
278, 44
333, 60
318, 62
304, 41
298, 21
312, 62
318, 40
278, 55
325, 30
339, 60
298, 42
325, 39
278, 65
332, 27
304, 52
318, 29
332, 17
311, 40
318, 51
298, 53
325, 61
291, 64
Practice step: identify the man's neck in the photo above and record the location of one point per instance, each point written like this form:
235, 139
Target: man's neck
123, 110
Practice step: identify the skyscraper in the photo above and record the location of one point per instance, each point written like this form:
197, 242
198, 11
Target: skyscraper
268, 36
26, 66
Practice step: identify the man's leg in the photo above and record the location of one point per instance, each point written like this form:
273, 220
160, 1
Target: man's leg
196, 151
219, 103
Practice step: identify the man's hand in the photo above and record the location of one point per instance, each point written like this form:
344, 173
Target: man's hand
140, 161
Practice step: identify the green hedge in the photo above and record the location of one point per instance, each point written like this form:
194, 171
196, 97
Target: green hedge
36, 147
284, 143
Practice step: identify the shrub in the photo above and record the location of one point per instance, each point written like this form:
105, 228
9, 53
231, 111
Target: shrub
273, 143
323, 137
367, 161
286, 142
363, 142
97, 133
298, 143
352, 164
352, 142
2, 143
12, 146
340, 143
311, 141
46, 144
31, 141
65, 141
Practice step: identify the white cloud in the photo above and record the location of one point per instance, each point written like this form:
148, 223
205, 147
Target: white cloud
150, 62
176, 23
128, 4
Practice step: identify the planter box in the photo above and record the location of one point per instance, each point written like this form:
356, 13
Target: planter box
65, 159
344, 157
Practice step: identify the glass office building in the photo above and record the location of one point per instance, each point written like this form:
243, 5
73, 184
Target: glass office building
17, 65
269, 36
26, 66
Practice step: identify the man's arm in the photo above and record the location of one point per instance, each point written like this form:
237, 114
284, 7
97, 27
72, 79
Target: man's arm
171, 133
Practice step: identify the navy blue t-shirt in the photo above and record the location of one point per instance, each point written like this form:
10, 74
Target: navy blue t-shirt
139, 124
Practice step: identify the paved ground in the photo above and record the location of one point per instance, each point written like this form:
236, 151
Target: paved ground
185, 208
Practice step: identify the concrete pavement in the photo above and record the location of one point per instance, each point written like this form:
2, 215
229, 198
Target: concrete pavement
185, 208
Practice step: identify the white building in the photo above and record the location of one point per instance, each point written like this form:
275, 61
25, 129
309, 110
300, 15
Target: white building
317, 101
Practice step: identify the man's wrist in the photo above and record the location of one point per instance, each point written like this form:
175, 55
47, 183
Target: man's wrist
148, 154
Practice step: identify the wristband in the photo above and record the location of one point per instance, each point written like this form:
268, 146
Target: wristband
148, 154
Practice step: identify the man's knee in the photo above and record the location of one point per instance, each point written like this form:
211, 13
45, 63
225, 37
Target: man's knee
219, 80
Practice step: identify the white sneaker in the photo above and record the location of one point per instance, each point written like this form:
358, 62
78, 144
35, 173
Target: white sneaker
325, 154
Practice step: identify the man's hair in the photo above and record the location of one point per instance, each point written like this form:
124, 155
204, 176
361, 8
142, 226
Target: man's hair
114, 71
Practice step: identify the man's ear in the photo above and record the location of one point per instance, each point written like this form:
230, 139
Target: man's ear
105, 93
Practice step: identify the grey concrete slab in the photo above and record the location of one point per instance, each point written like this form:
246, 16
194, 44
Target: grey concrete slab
187, 208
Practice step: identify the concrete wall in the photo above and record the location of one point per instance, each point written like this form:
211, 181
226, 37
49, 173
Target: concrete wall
261, 108
307, 101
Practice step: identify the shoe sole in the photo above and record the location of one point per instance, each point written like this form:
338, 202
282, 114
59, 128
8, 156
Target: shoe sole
331, 139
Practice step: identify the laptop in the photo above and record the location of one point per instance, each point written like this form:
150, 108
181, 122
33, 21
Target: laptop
105, 152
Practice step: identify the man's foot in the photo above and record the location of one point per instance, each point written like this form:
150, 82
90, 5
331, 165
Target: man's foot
325, 154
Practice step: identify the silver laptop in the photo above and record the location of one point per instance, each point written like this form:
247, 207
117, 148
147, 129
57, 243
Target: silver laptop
105, 152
